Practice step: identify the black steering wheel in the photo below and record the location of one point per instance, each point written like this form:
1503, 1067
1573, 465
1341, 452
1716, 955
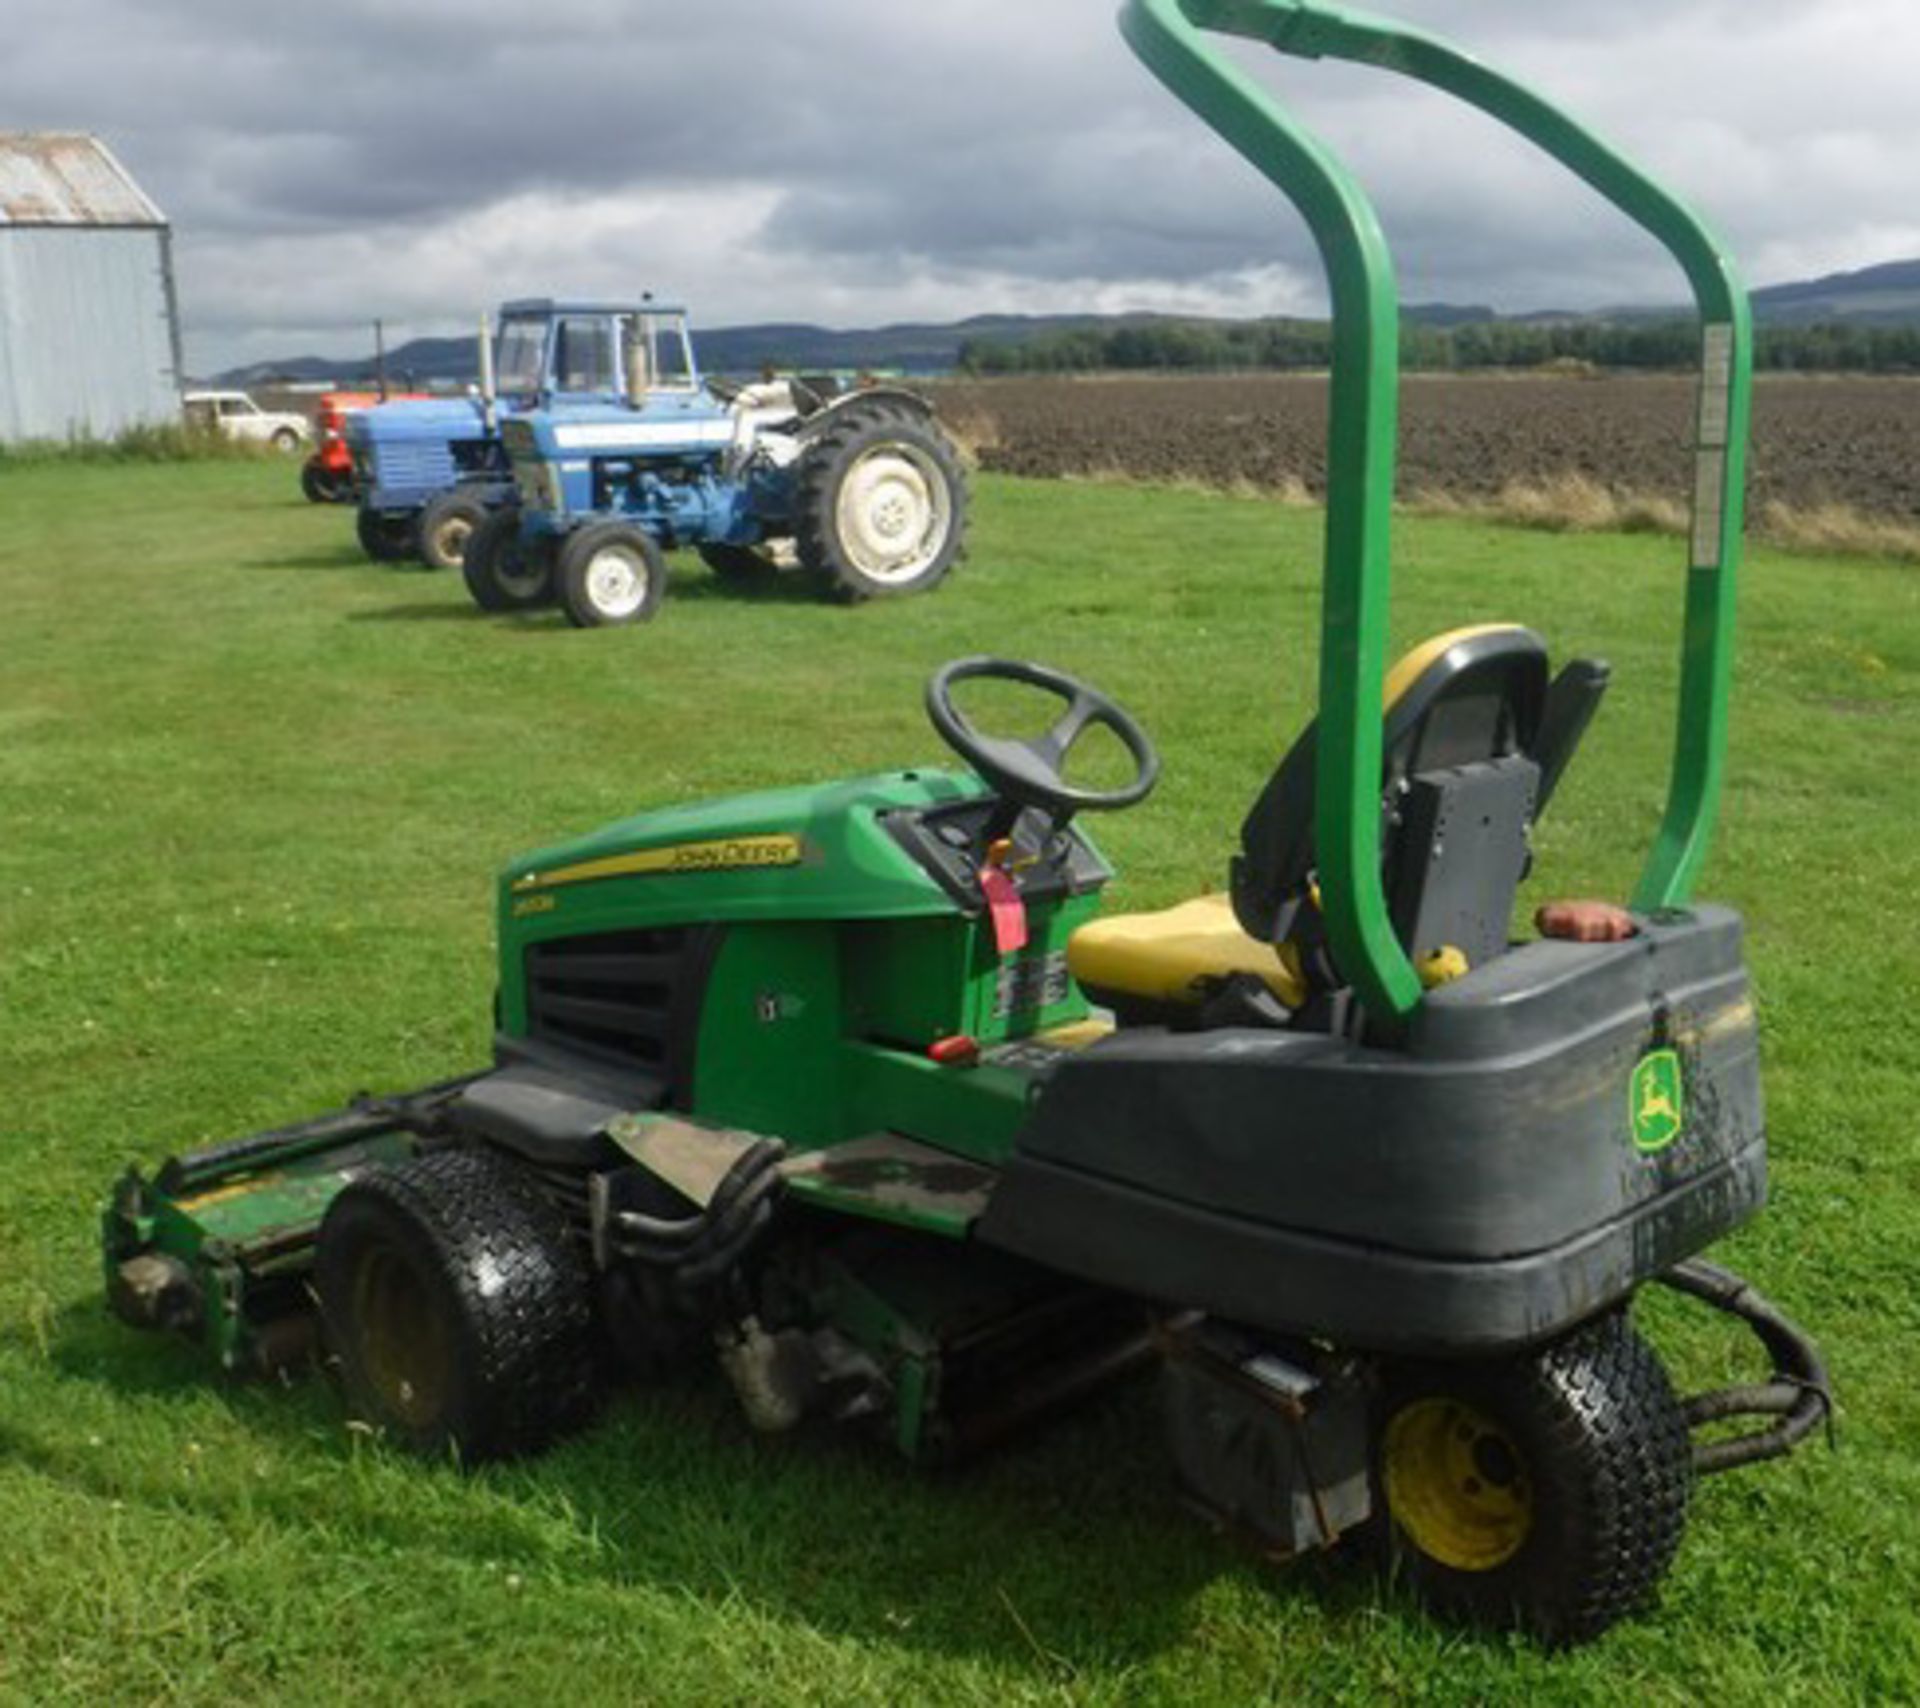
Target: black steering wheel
1030, 773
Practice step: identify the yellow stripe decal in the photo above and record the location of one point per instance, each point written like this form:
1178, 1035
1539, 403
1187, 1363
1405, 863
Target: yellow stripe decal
731, 854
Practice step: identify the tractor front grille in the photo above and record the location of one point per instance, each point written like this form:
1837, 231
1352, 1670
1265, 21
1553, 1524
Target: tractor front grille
613, 995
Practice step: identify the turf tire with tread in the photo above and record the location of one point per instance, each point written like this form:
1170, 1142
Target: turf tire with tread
495, 1265
1607, 1452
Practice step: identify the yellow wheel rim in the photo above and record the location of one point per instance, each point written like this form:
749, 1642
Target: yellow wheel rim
1456, 1485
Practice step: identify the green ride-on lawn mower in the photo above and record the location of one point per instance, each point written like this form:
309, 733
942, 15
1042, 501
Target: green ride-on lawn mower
852, 1087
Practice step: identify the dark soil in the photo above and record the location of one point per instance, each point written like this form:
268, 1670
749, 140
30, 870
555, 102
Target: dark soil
1816, 441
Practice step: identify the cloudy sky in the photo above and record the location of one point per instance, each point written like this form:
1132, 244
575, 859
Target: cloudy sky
852, 162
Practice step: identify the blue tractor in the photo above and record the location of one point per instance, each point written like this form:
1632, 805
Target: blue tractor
640, 455
429, 471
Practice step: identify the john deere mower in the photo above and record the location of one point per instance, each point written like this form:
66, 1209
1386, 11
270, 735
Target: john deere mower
853, 1089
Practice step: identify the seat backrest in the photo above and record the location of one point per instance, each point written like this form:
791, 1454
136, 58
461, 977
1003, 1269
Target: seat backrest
1461, 774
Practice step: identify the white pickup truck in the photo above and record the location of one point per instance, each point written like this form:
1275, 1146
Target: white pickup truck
237, 416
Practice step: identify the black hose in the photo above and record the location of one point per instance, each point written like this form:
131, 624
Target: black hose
697, 1249
1799, 1395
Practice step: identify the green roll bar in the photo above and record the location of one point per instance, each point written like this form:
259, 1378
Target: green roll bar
1166, 34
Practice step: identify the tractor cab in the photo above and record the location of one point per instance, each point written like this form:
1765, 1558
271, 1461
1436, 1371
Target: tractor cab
552, 353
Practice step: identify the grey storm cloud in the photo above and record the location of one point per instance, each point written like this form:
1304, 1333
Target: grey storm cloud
863, 160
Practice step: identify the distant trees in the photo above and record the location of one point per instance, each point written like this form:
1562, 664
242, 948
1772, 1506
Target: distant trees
1211, 346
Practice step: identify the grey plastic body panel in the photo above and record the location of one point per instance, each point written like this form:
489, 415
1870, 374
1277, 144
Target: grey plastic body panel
1499, 1138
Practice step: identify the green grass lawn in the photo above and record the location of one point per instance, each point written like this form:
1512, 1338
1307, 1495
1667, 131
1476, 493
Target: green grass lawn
254, 792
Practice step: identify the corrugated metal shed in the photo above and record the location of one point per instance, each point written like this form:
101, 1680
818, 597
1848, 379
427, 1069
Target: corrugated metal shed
63, 177
89, 336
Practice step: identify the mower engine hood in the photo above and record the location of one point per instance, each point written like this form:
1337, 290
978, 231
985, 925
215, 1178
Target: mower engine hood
823, 852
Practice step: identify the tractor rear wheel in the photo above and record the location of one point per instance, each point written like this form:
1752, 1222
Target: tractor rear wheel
881, 505
500, 572
610, 574
457, 1307
444, 528
1545, 1492
385, 536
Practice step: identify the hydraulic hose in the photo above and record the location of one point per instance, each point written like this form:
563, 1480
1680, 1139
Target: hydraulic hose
1799, 1394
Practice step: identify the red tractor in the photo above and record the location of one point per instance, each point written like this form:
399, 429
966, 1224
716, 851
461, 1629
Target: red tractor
326, 477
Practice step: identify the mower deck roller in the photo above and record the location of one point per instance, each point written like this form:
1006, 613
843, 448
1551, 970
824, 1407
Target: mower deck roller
812, 1083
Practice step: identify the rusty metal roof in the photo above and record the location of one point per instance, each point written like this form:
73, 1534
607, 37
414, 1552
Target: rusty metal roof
54, 177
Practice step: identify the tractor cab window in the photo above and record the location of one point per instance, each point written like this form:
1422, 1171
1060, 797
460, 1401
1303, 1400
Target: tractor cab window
669, 352
584, 356
519, 362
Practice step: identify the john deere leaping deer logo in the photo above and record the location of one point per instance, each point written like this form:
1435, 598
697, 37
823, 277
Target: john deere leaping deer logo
1656, 1105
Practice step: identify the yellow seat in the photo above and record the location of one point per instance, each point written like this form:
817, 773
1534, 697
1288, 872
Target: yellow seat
1179, 955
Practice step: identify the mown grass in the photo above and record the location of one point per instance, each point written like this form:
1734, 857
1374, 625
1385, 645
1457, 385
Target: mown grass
254, 790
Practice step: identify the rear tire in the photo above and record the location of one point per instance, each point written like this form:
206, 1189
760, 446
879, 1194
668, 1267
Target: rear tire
445, 526
500, 573
457, 1306
385, 536
1546, 1492
610, 574
881, 505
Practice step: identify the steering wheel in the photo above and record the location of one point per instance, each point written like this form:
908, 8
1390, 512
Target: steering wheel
1031, 773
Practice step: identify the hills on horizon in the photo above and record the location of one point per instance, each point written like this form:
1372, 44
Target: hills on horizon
1884, 295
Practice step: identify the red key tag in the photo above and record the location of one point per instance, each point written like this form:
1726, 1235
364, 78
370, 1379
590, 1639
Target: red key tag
1007, 908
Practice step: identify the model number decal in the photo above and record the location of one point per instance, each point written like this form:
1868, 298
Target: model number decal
730, 854
1033, 981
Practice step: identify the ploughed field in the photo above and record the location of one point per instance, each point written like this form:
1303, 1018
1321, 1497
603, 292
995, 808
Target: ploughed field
1817, 441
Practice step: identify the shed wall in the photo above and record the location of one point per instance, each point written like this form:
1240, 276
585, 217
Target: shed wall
87, 342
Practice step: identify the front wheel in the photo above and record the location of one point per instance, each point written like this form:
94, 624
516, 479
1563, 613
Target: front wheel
1546, 1492
881, 506
611, 574
385, 536
457, 1306
285, 441
501, 573
323, 485
444, 528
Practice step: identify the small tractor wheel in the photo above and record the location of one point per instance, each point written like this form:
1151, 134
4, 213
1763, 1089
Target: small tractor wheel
501, 574
445, 526
323, 485
385, 536
285, 441
1545, 1492
457, 1307
735, 563
611, 573
881, 505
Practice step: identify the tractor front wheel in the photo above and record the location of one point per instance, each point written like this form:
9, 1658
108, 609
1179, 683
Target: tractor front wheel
456, 1306
444, 528
881, 505
1545, 1492
500, 572
323, 485
385, 536
610, 574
